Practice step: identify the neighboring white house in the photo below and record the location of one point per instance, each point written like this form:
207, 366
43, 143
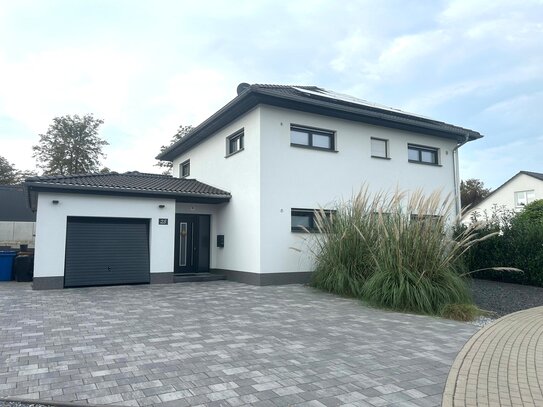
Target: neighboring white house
523, 188
279, 151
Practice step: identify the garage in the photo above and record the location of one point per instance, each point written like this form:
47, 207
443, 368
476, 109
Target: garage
106, 251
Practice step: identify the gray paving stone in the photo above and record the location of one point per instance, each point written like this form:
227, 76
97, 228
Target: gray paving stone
218, 343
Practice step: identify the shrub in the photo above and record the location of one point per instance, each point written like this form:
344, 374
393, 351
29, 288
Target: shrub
461, 312
393, 251
533, 212
519, 244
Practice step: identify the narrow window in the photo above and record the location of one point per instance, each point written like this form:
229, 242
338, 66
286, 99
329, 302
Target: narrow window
379, 148
234, 143
303, 220
184, 169
312, 138
422, 155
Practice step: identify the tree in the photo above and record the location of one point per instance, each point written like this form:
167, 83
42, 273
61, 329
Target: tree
182, 131
11, 175
472, 191
8, 173
70, 146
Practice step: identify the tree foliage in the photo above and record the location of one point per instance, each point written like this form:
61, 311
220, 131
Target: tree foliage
8, 172
182, 131
71, 145
472, 191
11, 175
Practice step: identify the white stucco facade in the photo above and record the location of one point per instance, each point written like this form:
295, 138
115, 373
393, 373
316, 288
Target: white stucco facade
270, 177
504, 196
52, 219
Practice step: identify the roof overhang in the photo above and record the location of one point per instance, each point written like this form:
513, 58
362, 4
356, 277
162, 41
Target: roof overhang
254, 96
33, 189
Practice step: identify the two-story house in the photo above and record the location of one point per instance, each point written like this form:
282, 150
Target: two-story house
244, 182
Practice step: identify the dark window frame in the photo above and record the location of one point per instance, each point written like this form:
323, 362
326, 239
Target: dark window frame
238, 135
182, 166
314, 131
387, 148
310, 213
420, 149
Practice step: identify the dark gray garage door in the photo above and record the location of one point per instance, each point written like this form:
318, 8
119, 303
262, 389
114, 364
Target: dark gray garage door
106, 251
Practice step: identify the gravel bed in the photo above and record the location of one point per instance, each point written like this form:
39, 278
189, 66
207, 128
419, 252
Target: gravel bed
504, 298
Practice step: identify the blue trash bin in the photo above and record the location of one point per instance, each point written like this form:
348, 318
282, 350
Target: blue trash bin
6, 264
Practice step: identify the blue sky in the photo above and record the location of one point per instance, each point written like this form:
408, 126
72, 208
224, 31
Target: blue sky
146, 67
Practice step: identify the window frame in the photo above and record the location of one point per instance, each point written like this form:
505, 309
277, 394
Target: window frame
182, 166
387, 148
420, 149
238, 135
311, 215
525, 192
311, 131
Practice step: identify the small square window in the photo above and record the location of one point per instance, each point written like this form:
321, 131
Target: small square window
379, 148
184, 169
235, 143
423, 155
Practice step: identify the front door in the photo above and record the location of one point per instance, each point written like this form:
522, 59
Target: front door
192, 242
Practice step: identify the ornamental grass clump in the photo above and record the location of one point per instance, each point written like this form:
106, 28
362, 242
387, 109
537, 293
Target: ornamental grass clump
393, 251
342, 246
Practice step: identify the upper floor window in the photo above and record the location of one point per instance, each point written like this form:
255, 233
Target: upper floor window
184, 169
422, 154
235, 143
379, 148
524, 198
312, 138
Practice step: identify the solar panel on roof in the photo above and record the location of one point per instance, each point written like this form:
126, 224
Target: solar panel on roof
352, 99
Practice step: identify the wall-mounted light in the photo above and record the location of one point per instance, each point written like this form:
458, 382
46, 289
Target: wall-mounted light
55, 202
161, 206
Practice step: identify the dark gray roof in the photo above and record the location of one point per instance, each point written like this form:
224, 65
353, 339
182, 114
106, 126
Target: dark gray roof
130, 183
537, 175
319, 101
13, 204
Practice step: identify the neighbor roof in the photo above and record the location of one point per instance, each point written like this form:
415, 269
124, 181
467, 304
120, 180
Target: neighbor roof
537, 175
130, 183
316, 100
13, 206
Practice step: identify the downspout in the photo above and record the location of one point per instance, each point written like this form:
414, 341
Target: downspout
456, 174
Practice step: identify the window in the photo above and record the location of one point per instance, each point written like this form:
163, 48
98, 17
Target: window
423, 155
303, 220
312, 138
524, 198
234, 143
379, 148
184, 169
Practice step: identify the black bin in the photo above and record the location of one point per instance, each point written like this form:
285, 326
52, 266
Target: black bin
23, 268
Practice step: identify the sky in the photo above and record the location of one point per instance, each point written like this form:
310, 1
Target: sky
147, 67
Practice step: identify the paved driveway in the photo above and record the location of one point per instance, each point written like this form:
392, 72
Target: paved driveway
219, 343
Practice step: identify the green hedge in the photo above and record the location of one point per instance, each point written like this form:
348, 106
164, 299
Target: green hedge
519, 245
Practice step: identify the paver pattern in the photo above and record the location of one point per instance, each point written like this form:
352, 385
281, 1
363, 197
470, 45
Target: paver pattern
502, 365
219, 343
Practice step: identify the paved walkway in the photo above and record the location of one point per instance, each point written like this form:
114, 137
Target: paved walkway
502, 365
219, 343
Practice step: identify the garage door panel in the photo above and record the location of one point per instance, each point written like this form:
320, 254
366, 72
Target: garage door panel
106, 251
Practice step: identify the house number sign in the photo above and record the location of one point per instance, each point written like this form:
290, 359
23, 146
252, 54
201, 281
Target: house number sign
163, 221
